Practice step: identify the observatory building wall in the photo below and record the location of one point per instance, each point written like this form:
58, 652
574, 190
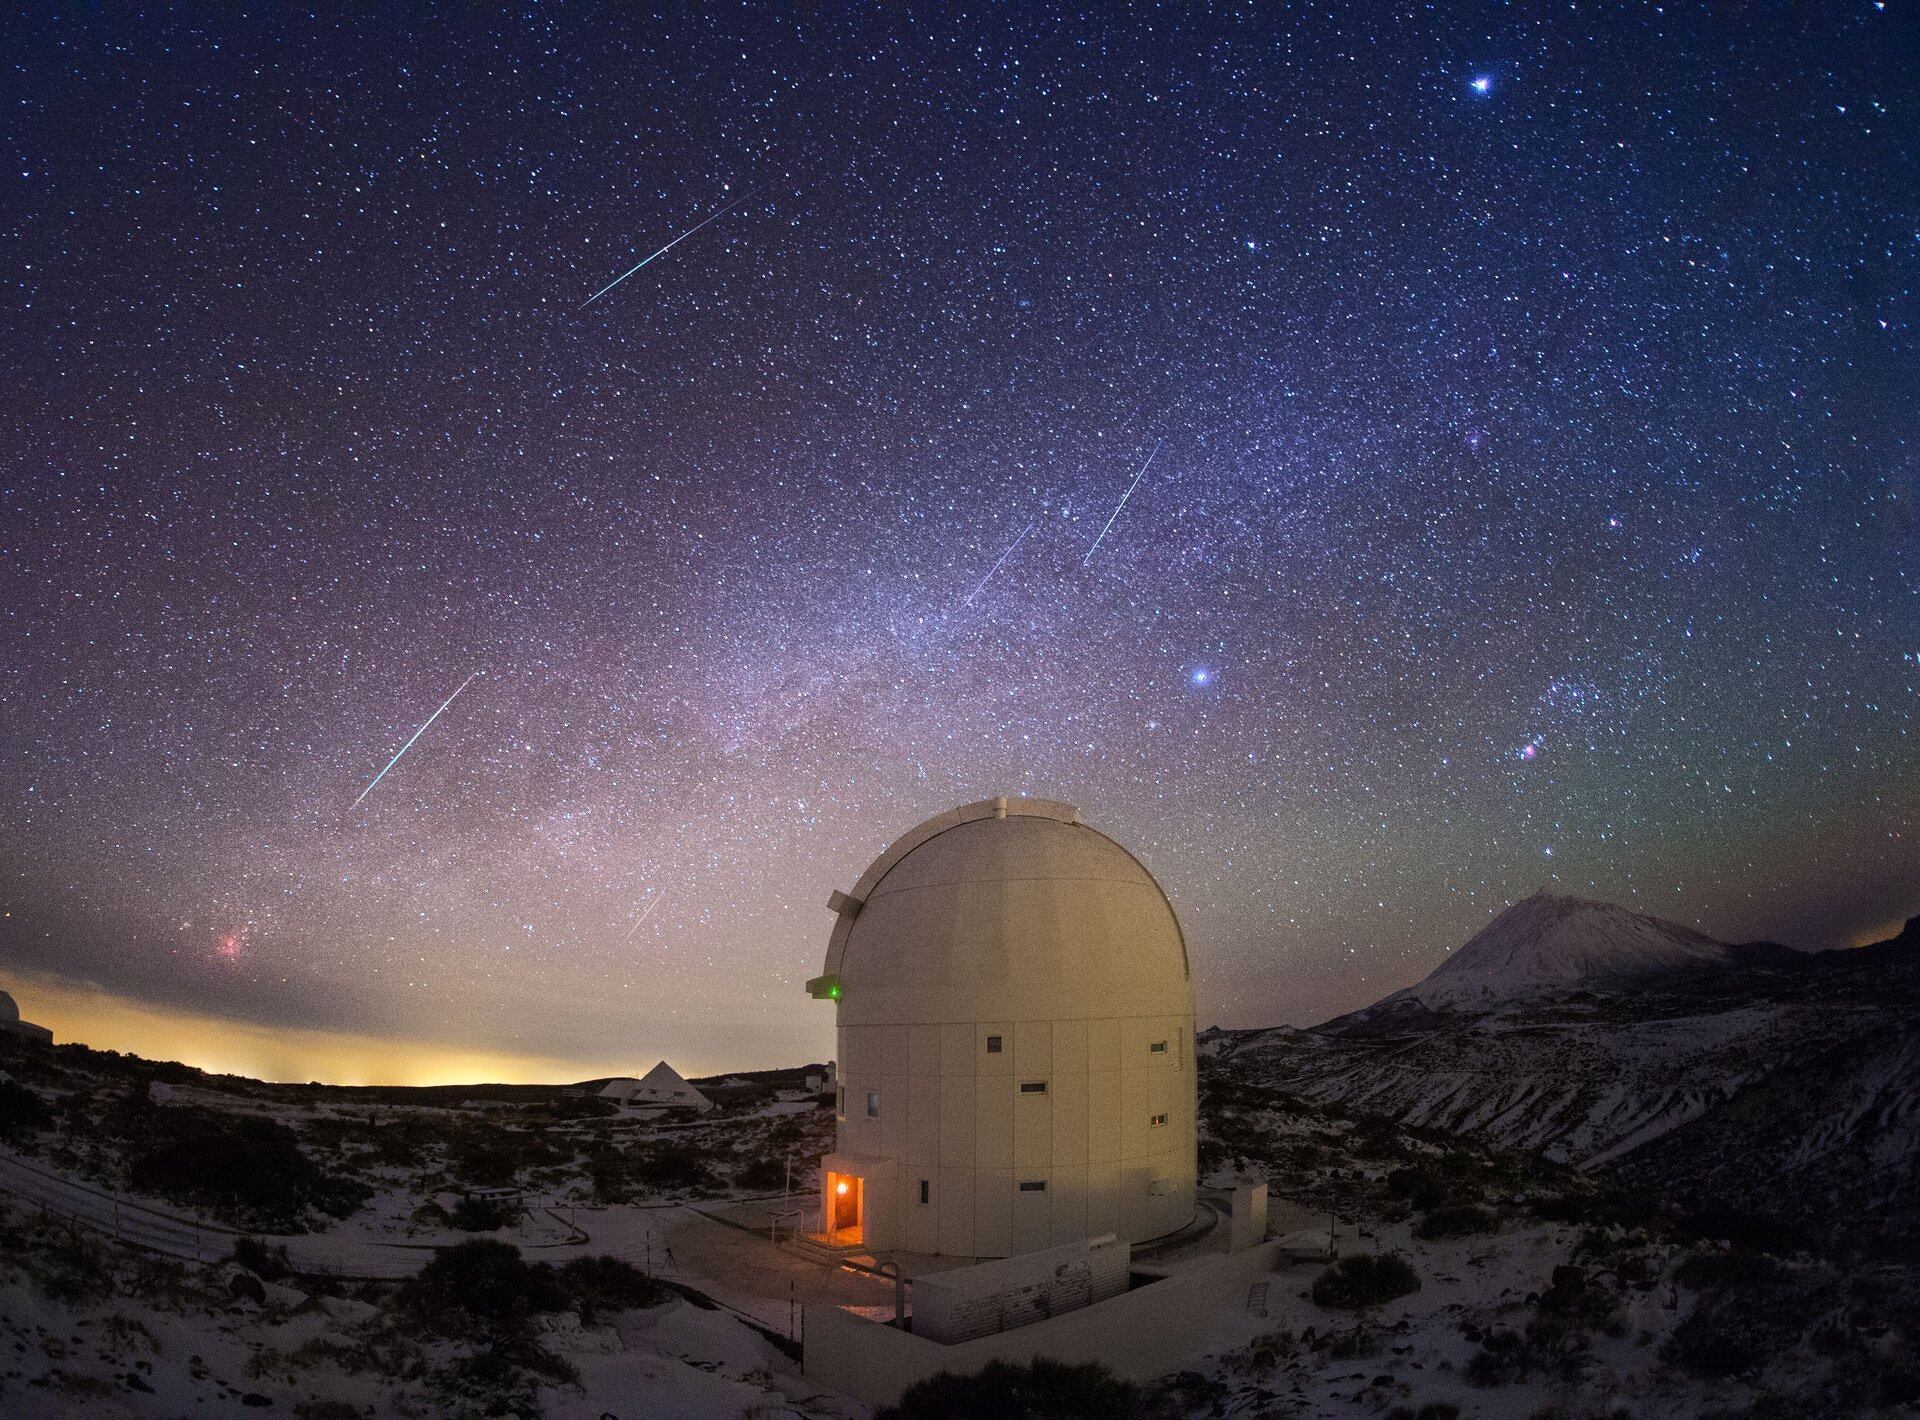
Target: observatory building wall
1139, 1335
956, 1118
1015, 1041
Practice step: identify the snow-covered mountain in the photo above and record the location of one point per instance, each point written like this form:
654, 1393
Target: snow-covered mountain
1625, 1044
1551, 943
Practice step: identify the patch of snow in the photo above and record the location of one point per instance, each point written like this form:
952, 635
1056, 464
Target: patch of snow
1551, 943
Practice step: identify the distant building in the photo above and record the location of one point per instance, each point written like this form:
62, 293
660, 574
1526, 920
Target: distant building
1015, 1041
11, 1023
498, 1193
660, 1088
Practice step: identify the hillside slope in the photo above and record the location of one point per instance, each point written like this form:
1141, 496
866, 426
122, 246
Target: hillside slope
1552, 943
1790, 1089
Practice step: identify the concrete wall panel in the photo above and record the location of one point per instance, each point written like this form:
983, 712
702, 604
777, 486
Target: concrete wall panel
1013, 919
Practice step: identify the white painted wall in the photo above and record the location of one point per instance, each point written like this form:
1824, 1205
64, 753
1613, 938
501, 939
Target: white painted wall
1139, 1335
1040, 931
1018, 1291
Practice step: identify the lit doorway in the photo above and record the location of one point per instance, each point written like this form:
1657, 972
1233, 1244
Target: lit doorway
844, 1198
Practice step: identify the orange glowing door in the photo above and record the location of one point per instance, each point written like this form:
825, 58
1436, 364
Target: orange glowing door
843, 1201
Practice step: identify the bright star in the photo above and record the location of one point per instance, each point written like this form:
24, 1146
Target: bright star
1202, 675
1482, 84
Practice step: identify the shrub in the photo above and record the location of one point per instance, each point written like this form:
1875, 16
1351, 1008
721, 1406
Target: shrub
325, 1410
1044, 1390
1756, 1232
268, 1263
1751, 1309
1455, 1220
488, 1282
1418, 1186
1375, 1136
606, 1284
761, 1175
485, 1280
607, 1172
239, 1165
22, 1112
481, 1215
1212, 1155
666, 1167
1729, 1272
1503, 1357
1561, 1207
480, 1160
500, 1380
1365, 1280
72, 1265
583, 1107
1266, 1353
1714, 1342
1355, 1345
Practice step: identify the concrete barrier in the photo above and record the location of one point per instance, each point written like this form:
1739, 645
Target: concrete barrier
1147, 1332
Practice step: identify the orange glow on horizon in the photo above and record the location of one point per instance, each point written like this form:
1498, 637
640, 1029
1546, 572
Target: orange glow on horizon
1867, 937
78, 1011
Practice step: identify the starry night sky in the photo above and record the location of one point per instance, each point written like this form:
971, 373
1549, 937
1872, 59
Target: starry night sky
1529, 396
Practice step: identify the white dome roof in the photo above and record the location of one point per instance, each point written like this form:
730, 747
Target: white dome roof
1009, 909
8, 1011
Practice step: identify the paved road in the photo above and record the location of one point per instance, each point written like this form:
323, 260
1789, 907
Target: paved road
142, 1223
644, 1235
138, 1223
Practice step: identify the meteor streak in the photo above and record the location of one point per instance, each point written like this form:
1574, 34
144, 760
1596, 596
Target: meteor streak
643, 918
665, 249
416, 735
1123, 502
1001, 563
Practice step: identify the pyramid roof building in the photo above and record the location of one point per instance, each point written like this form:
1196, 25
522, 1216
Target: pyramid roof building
662, 1087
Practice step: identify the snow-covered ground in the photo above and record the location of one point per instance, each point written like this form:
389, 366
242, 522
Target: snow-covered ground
1551, 943
672, 1362
1534, 1297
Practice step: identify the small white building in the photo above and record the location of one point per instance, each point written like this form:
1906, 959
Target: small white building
1015, 1041
11, 1023
660, 1088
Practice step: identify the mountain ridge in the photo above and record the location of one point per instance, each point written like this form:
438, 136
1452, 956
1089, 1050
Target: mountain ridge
1553, 942
1661, 1068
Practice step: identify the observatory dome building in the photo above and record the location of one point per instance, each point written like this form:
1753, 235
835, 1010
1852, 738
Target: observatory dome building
1015, 1041
11, 1023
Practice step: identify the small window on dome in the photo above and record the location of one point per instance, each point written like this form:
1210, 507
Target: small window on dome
993, 1045
1033, 1087
1033, 1185
1158, 1121
1159, 1047
873, 1104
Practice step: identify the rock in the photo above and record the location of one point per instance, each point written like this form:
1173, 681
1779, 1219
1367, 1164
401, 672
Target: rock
244, 1284
346, 1310
281, 1295
564, 1332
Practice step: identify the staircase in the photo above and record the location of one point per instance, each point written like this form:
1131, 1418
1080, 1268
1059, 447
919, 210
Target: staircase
815, 1247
